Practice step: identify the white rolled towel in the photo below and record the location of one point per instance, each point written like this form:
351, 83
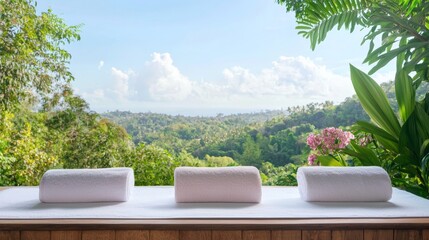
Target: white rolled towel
217, 184
86, 185
348, 184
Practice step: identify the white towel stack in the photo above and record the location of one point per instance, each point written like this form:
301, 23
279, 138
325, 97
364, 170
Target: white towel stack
370, 184
217, 184
86, 185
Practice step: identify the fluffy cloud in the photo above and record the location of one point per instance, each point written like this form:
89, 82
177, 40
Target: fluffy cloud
294, 77
121, 84
117, 91
165, 81
288, 81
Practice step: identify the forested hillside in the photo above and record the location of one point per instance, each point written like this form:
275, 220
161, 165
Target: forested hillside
250, 139
177, 133
274, 137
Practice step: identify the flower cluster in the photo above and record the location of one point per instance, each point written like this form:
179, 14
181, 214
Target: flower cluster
327, 142
311, 159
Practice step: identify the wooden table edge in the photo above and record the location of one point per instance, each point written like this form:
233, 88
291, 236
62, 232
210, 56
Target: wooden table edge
184, 224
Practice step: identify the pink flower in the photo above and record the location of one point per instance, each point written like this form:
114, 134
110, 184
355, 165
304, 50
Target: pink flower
311, 159
329, 140
314, 141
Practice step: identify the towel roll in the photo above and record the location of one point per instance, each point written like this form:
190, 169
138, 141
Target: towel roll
86, 185
348, 184
217, 184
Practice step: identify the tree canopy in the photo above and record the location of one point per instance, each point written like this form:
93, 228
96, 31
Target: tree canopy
33, 63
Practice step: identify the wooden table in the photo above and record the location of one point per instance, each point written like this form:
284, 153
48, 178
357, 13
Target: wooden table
216, 229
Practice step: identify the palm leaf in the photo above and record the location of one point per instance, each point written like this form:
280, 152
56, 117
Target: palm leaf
319, 17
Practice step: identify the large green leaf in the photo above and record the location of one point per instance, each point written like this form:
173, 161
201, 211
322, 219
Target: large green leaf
425, 168
392, 146
405, 94
414, 133
425, 103
371, 128
424, 148
400, 59
328, 161
374, 101
387, 140
365, 155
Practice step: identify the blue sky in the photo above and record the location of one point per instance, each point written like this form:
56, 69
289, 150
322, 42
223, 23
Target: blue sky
203, 57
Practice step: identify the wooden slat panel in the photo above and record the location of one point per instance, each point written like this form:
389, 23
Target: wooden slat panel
347, 235
426, 234
98, 235
35, 235
256, 235
195, 235
132, 235
408, 235
378, 234
66, 235
218, 224
286, 235
226, 235
164, 235
316, 235
9, 235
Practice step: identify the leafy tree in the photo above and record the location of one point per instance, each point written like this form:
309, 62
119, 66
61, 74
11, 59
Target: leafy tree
87, 141
186, 159
24, 153
152, 165
100, 144
33, 63
251, 153
282, 146
279, 176
220, 161
351, 111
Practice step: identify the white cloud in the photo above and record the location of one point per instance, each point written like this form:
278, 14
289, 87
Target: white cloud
290, 77
100, 64
118, 90
121, 84
165, 81
289, 81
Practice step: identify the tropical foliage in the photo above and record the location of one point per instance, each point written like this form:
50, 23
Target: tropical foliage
33, 62
402, 29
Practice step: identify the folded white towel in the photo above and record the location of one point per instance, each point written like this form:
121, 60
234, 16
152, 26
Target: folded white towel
86, 185
348, 184
217, 184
